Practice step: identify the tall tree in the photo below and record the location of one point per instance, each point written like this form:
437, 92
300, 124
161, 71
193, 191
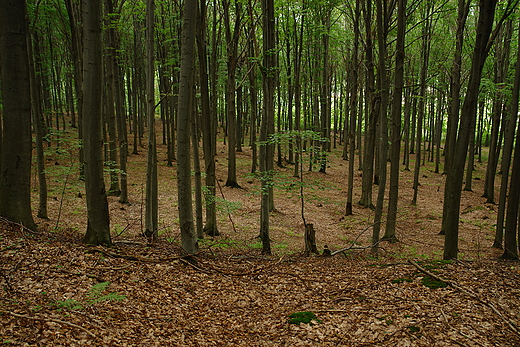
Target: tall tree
98, 226
151, 216
371, 109
383, 92
15, 174
397, 102
453, 185
353, 110
232, 37
208, 121
511, 227
186, 108
266, 149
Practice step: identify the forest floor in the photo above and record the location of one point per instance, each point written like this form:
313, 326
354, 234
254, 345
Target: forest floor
57, 291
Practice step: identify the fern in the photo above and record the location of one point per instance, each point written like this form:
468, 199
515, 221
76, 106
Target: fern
96, 295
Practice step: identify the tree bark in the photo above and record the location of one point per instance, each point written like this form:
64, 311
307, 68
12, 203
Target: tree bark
397, 101
266, 150
511, 226
98, 226
151, 213
453, 186
15, 170
208, 126
184, 114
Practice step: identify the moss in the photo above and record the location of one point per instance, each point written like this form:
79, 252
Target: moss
303, 317
433, 283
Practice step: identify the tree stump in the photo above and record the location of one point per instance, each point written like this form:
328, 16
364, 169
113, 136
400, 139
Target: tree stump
310, 239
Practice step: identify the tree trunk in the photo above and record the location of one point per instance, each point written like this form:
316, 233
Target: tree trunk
510, 248
454, 179
397, 101
231, 44
36, 105
151, 213
353, 111
425, 51
185, 111
15, 170
266, 150
98, 226
370, 107
208, 126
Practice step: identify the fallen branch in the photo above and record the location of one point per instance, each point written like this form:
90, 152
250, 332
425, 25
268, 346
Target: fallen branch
79, 273
53, 320
354, 242
468, 292
132, 257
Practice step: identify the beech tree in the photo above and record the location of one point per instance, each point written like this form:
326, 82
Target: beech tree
98, 224
15, 169
453, 185
185, 115
151, 222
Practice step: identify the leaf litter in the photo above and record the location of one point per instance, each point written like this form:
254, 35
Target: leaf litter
234, 296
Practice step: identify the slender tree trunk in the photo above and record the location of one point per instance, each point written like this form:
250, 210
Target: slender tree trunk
98, 226
36, 105
266, 150
298, 92
184, 114
231, 44
208, 126
502, 58
397, 101
505, 166
383, 86
371, 109
425, 51
454, 179
353, 111
151, 213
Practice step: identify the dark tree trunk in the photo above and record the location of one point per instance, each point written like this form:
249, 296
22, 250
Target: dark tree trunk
15, 170
455, 176
184, 114
511, 229
98, 227
151, 213
208, 126
393, 194
267, 150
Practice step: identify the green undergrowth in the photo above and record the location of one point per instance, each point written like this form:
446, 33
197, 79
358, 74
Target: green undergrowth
303, 317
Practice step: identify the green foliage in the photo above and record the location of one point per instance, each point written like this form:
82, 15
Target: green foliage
303, 317
414, 329
433, 283
95, 295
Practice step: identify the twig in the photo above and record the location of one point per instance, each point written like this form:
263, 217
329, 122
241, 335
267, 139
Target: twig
223, 197
53, 320
132, 257
354, 242
468, 292
23, 227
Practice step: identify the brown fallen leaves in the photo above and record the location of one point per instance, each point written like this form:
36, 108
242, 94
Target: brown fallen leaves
237, 298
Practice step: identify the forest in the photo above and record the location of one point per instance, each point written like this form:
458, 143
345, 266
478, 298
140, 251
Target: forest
243, 172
